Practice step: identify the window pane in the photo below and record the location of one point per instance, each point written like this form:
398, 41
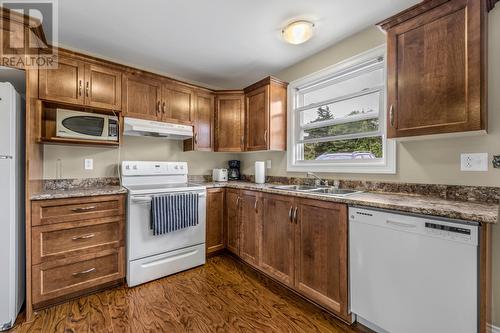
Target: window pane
363, 126
365, 81
366, 104
352, 149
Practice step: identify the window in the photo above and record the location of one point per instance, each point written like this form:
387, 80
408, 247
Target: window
337, 118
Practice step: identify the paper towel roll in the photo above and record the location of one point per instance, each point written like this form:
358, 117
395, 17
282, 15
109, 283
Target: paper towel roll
260, 172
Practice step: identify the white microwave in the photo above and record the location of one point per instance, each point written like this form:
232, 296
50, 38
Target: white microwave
83, 125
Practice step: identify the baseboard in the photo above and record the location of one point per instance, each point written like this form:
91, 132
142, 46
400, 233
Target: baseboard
493, 329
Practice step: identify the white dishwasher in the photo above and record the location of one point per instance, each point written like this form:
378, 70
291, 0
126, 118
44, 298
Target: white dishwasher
413, 274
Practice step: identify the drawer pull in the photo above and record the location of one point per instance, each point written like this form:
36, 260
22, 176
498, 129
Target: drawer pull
83, 237
83, 209
84, 272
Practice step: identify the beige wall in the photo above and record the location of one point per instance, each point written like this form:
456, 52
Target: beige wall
71, 159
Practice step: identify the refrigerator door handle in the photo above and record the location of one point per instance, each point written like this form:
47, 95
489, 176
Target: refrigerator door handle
5, 157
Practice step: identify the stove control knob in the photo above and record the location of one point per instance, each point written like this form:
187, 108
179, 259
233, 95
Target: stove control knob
127, 167
135, 167
182, 167
176, 167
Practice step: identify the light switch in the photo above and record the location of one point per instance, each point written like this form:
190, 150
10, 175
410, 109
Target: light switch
474, 162
89, 164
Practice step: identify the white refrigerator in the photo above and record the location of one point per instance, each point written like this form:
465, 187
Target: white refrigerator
12, 234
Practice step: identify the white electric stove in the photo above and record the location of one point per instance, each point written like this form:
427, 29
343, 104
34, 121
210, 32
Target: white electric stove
151, 257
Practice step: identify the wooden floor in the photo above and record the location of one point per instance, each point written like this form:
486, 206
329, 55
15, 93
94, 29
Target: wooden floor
222, 296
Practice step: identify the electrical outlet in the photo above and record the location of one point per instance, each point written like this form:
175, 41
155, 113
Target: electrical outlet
474, 162
269, 164
89, 164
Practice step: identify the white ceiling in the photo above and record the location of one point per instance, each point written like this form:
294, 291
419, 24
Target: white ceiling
220, 43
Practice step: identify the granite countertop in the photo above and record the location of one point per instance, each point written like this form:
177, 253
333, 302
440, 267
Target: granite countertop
78, 192
410, 203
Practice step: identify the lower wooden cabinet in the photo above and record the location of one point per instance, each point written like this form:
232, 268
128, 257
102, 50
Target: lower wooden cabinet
233, 201
321, 253
277, 238
301, 243
215, 220
250, 221
77, 246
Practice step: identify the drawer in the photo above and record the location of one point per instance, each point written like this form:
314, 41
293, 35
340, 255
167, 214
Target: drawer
66, 277
63, 240
76, 209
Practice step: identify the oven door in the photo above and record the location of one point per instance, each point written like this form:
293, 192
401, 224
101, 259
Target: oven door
141, 242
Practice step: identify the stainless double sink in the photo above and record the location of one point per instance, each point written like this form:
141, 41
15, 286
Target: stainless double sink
323, 190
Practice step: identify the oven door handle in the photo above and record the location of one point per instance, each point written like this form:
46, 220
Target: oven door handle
148, 199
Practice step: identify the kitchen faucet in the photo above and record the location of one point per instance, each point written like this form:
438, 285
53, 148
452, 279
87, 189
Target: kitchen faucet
318, 180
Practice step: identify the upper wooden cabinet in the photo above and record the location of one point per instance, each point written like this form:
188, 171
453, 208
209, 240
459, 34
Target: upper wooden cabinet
265, 121
177, 103
203, 139
80, 83
141, 97
229, 121
436, 68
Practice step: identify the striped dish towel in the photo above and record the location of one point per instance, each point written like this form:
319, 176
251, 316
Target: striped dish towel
172, 212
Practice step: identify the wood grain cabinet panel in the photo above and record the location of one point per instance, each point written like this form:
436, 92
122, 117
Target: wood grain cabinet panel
229, 125
277, 238
64, 240
265, 121
203, 123
321, 253
436, 69
250, 224
233, 201
76, 209
141, 97
64, 84
215, 235
177, 104
103, 87
56, 279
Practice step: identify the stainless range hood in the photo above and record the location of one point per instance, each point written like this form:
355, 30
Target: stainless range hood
139, 127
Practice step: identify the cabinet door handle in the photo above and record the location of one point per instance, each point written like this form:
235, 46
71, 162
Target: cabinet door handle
158, 108
84, 272
196, 138
238, 202
83, 209
83, 237
80, 88
163, 107
265, 137
290, 214
87, 88
391, 116
255, 205
295, 215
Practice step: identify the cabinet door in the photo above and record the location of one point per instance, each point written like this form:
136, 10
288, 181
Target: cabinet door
233, 201
215, 220
177, 104
277, 238
103, 87
435, 66
250, 227
204, 122
257, 119
229, 123
64, 84
141, 97
321, 253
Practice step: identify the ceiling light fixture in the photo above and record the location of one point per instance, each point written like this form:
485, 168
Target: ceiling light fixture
298, 32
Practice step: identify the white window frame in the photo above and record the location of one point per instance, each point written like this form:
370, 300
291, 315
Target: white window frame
384, 165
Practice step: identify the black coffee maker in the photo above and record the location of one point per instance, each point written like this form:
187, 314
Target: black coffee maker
234, 170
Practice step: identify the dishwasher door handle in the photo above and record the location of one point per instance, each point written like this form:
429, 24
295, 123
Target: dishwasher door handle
401, 224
